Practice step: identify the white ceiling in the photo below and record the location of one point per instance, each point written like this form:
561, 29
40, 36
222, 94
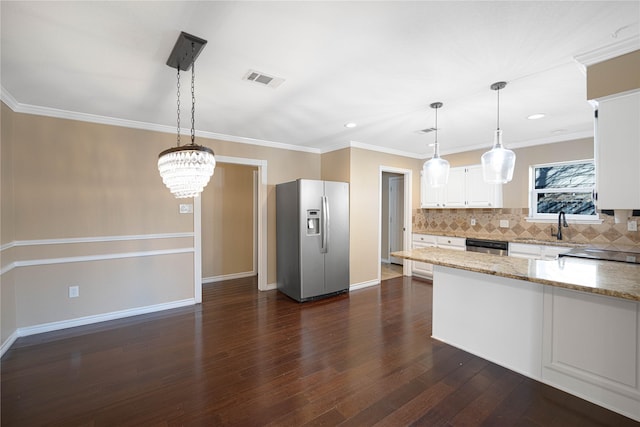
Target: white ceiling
378, 64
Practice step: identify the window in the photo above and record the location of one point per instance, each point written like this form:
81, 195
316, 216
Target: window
564, 186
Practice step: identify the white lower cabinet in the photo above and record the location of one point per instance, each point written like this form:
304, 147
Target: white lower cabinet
591, 347
423, 269
579, 342
455, 243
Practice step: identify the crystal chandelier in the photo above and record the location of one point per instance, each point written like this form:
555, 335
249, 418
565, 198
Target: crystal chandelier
498, 163
436, 169
186, 170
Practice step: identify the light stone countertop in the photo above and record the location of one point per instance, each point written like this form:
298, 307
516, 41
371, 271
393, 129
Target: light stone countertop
610, 278
526, 240
533, 241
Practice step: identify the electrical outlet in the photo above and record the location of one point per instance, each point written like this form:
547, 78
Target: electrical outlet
473, 221
74, 291
186, 208
632, 225
504, 223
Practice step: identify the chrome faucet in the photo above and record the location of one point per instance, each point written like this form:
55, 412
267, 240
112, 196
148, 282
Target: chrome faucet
562, 222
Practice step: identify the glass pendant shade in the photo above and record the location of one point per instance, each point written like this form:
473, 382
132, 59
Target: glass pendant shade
186, 170
436, 170
498, 163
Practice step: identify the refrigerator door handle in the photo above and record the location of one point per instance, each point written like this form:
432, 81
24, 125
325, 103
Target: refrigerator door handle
325, 225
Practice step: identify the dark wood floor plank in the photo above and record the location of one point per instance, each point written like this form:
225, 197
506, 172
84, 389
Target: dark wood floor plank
248, 358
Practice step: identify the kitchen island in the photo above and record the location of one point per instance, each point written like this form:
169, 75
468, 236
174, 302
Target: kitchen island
571, 323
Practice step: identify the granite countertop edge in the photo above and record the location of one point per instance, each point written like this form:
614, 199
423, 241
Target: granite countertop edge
534, 241
609, 278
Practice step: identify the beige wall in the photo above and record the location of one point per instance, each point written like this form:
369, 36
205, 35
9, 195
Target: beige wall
77, 179
336, 165
365, 205
615, 75
283, 166
94, 183
7, 284
68, 179
228, 221
516, 192
77, 189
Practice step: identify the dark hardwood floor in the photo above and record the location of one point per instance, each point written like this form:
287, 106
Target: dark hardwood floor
249, 358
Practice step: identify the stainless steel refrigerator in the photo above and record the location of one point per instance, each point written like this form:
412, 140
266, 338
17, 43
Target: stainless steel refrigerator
312, 230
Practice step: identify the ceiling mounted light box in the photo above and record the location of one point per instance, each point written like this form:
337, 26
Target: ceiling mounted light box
187, 169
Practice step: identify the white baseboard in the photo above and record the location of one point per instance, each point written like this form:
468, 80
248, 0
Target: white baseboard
8, 343
214, 279
80, 321
385, 260
362, 285
270, 287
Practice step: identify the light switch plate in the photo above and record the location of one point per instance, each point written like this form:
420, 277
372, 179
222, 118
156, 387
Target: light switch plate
504, 223
186, 208
74, 291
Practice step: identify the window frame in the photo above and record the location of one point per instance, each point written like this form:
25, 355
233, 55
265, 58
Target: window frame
533, 193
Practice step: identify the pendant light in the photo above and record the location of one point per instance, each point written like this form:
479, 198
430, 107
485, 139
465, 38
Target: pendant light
436, 169
498, 163
186, 170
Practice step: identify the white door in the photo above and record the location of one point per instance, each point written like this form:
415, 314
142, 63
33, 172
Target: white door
396, 217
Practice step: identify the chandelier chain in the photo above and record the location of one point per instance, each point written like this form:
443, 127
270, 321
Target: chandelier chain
193, 95
178, 103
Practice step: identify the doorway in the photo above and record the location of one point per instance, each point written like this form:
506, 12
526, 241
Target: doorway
229, 205
260, 225
395, 220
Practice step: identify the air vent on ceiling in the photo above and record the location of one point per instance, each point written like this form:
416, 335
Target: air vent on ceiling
263, 79
427, 130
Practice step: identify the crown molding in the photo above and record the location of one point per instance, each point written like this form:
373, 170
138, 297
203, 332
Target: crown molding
18, 107
523, 144
9, 100
609, 51
370, 147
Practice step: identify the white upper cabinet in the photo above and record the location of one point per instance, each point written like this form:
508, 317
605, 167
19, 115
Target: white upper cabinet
430, 197
618, 152
465, 189
479, 193
455, 193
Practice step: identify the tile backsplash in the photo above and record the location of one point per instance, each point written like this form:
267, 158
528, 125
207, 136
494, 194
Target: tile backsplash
457, 222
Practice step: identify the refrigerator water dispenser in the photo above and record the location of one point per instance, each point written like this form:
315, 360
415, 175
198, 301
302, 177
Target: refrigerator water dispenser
313, 222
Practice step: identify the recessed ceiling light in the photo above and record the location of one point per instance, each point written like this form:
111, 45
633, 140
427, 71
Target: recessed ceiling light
350, 125
558, 131
536, 116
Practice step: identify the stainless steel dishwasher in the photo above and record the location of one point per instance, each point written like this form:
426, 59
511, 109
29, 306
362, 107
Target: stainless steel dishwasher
495, 247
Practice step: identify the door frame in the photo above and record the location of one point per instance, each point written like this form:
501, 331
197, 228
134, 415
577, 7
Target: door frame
406, 238
393, 179
261, 219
